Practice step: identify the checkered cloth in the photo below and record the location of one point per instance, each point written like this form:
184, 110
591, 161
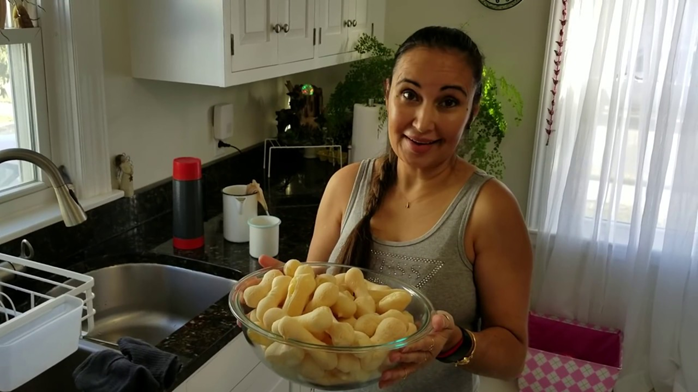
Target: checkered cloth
547, 372
552, 372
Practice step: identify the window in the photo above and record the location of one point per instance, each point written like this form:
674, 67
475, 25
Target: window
54, 104
621, 117
23, 110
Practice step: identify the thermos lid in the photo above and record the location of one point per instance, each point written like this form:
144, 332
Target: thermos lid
186, 169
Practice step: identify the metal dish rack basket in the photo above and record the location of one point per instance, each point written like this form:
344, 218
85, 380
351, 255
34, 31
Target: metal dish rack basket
44, 312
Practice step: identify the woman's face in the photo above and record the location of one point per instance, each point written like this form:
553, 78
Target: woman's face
429, 103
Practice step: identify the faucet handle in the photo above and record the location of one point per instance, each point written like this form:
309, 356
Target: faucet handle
26, 250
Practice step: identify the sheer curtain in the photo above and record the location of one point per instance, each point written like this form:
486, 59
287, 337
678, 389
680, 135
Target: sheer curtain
617, 205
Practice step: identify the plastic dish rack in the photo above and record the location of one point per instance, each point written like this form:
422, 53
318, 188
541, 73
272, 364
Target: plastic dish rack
46, 329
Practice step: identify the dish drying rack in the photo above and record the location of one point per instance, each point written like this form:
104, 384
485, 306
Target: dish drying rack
51, 311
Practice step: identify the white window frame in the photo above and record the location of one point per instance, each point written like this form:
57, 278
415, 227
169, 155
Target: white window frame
18, 41
72, 43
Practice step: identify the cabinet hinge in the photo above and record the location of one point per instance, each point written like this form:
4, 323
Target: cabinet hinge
371, 29
232, 44
313, 36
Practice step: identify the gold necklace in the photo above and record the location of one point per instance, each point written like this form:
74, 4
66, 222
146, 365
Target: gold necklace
407, 202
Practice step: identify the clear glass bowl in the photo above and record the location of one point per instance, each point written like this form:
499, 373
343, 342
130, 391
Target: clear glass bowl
326, 366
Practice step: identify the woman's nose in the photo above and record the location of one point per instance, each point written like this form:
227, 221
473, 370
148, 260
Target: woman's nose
425, 119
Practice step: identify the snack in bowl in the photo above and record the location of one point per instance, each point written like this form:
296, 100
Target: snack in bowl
328, 326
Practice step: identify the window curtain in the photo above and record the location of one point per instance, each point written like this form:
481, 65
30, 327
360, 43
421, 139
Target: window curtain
615, 184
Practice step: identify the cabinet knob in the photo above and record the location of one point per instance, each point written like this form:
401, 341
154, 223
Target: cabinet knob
286, 28
276, 28
353, 23
347, 23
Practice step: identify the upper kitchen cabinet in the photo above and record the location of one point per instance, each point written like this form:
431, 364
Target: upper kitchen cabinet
266, 33
230, 42
341, 22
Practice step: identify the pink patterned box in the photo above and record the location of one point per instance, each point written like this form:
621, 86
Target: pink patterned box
569, 356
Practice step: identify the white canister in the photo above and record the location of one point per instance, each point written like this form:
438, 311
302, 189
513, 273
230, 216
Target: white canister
238, 208
264, 236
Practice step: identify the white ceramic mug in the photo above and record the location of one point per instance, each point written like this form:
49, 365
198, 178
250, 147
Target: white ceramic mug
238, 208
264, 235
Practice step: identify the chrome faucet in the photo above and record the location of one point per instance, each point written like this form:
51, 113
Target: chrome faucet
72, 212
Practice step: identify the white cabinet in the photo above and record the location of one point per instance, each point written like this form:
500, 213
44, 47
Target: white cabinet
332, 31
229, 42
356, 12
340, 24
261, 379
235, 368
297, 20
271, 32
254, 42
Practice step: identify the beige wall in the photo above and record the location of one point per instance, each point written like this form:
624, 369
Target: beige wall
513, 43
155, 122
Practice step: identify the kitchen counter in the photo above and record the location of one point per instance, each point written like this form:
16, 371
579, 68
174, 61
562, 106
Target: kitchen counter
203, 336
139, 230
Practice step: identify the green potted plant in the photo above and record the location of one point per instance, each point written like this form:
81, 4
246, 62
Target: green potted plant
364, 82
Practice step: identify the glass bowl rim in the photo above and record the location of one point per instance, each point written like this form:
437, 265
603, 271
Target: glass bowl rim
238, 312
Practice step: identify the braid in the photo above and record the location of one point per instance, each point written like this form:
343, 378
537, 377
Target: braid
357, 248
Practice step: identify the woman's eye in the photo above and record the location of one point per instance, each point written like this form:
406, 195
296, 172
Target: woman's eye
450, 102
409, 95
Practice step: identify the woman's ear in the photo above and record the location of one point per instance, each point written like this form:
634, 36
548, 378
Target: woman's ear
386, 89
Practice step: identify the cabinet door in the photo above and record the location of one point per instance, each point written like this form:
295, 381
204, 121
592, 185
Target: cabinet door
228, 368
261, 379
332, 34
359, 22
300, 388
254, 42
298, 17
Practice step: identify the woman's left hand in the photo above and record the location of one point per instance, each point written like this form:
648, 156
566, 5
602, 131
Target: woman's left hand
415, 356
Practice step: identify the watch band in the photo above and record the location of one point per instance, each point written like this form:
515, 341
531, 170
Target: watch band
463, 353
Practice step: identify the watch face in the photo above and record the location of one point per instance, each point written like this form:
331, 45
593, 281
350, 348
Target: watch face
500, 4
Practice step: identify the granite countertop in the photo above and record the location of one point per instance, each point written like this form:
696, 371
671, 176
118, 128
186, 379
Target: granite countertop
139, 230
203, 336
295, 202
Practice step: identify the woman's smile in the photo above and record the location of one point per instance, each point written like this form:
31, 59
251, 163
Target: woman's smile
419, 144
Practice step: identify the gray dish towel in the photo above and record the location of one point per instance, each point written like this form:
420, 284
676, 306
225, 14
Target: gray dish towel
110, 371
162, 365
139, 367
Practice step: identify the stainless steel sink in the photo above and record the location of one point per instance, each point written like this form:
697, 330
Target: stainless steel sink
144, 301
150, 301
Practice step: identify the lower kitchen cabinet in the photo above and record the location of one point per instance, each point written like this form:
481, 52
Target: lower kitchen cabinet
300, 388
235, 368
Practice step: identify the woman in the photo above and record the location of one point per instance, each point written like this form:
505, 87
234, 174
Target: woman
432, 219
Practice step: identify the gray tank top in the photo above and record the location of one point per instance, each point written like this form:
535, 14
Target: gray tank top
436, 264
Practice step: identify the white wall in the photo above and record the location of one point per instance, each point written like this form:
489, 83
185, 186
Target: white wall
513, 43
155, 122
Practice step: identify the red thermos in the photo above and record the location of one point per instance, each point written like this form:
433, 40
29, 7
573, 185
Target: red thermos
187, 204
